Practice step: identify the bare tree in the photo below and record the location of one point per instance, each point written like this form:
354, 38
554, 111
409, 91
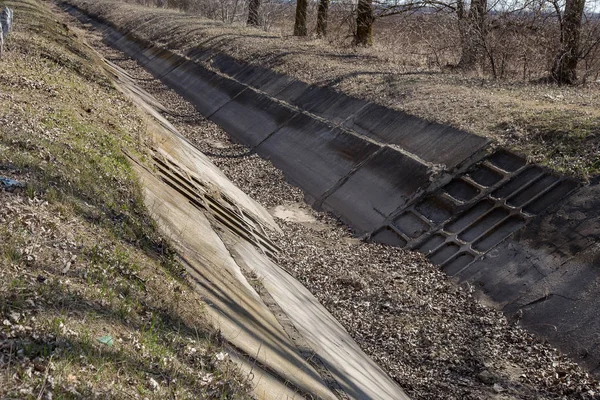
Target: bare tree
564, 70
472, 29
322, 17
300, 21
364, 23
253, 8
273, 13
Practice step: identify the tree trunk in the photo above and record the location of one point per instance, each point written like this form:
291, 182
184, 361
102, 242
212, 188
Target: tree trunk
472, 32
364, 23
564, 71
463, 30
300, 23
322, 17
253, 7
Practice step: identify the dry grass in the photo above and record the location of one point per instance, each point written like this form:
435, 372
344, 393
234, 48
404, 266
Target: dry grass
556, 126
80, 258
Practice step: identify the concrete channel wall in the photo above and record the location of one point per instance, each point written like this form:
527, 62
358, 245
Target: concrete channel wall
525, 236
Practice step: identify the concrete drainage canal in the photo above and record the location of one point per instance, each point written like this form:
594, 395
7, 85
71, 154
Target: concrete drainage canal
523, 235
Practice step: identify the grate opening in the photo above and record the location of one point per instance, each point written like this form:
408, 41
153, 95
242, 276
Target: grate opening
528, 194
485, 176
432, 243
483, 224
411, 225
498, 234
507, 161
551, 197
458, 263
469, 216
436, 209
461, 190
444, 253
390, 237
518, 182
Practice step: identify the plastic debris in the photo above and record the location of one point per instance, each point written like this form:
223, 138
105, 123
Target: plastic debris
10, 184
107, 340
153, 384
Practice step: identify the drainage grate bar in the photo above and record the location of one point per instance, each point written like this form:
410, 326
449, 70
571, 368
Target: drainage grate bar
477, 210
223, 209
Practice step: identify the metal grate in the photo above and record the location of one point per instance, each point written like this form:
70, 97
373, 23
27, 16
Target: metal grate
223, 209
477, 210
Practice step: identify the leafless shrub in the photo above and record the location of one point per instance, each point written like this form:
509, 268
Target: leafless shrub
518, 42
590, 48
274, 15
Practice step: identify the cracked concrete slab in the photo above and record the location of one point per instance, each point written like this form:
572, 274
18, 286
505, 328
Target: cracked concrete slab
213, 248
234, 307
548, 276
357, 375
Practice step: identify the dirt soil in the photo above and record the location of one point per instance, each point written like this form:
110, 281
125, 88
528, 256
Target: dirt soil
92, 302
555, 126
434, 338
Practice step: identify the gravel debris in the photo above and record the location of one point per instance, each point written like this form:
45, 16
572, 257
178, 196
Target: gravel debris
430, 335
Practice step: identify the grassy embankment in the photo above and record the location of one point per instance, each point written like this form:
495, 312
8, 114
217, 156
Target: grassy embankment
555, 126
92, 303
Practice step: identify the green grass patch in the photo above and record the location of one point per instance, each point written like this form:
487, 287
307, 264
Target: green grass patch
80, 256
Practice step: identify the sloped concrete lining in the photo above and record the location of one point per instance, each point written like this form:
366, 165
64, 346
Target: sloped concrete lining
385, 182
260, 78
235, 309
167, 140
322, 102
435, 143
305, 148
205, 89
478, 209
216, 229
315, 153
251, 117
485, 216
502, 227
159, 62
548, 276
330, 105
360, 161
341, 361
